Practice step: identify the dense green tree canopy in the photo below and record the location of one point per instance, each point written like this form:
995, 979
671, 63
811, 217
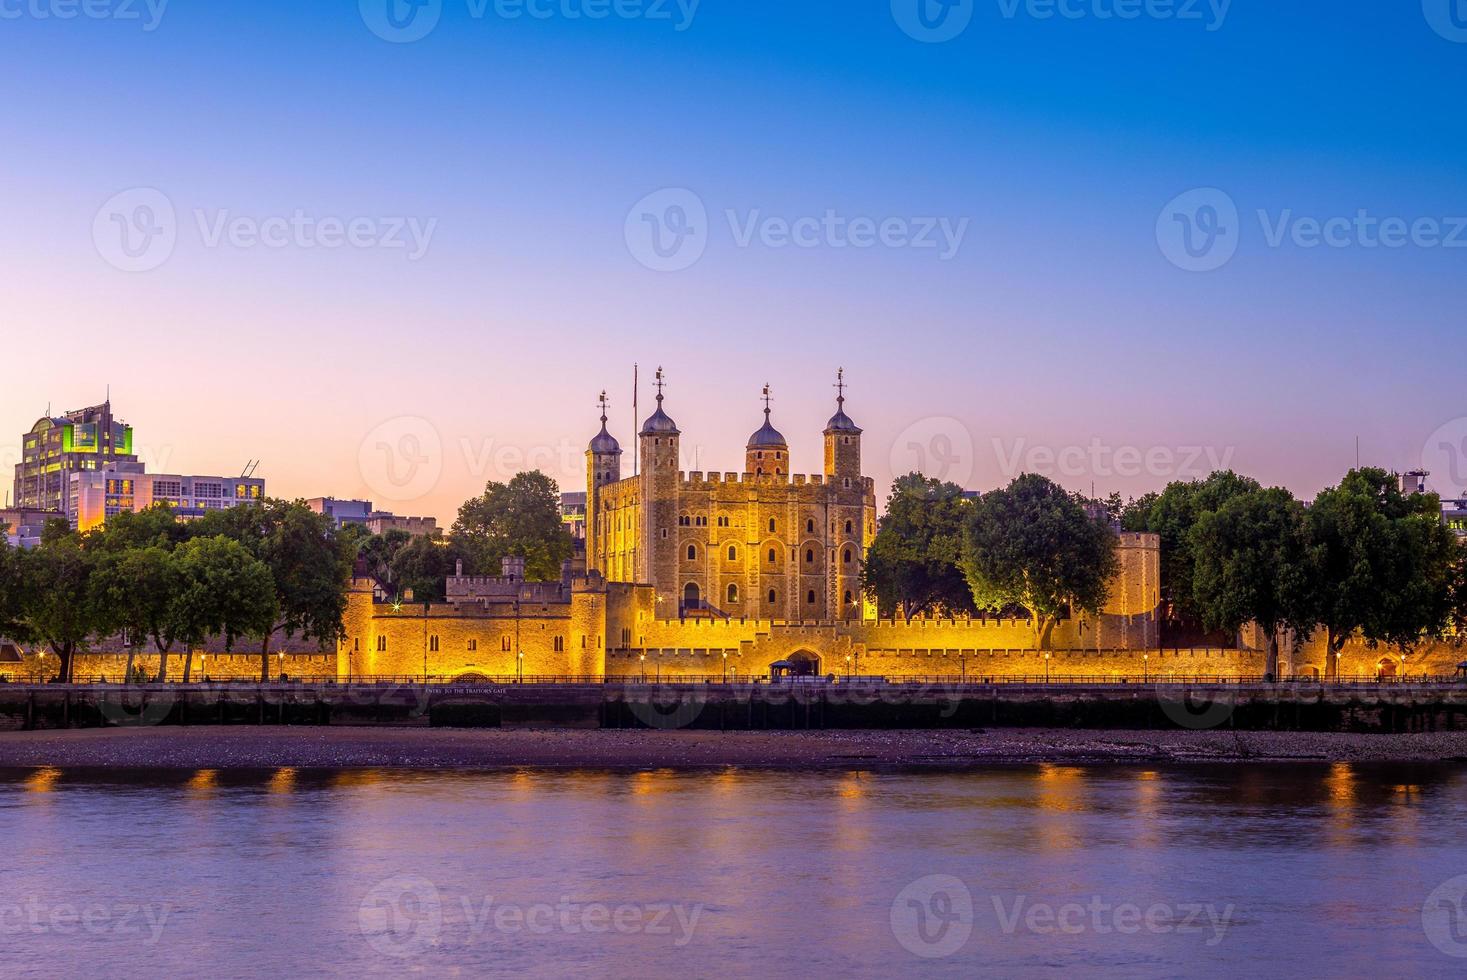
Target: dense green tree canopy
1036, 545
1251, 564
1382, 562
518, 518
913, 565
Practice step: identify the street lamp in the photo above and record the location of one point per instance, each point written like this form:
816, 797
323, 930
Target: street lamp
1046, 668
281, 663
644, 668
1145, 672
725, 666
520, 668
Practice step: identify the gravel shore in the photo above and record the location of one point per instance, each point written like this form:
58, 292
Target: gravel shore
417, 748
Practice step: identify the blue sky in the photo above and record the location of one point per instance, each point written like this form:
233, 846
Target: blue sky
1055, 143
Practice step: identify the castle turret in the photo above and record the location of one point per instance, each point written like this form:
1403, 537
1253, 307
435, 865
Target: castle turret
603, 468
842, 442
657, 558
767, 454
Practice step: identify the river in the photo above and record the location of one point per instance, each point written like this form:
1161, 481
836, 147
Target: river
1234, 871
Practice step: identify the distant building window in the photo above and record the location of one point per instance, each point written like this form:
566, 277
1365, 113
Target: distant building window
381, 644
433, 644
846, 556
771, 525
809, 527
473, 645
849, 527
560, 644
848, 597
504, 644
733, 593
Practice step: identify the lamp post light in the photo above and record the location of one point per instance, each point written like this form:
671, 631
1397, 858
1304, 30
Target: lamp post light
520, 668
1046, 668
644, 668
1145, 669
725, 666
280, 658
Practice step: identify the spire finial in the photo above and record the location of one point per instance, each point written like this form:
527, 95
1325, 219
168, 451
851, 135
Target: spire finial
766, 402
840, 385
603, 409
660, 383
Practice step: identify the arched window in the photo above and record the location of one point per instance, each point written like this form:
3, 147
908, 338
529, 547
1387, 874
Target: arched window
848, 597
733, 553
809, 527
810, 597
846, 556
733, 593
772, 597
809, 556
848, 527
771, 556
771, 525
692, 552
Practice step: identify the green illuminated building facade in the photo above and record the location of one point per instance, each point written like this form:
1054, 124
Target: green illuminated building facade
55, 448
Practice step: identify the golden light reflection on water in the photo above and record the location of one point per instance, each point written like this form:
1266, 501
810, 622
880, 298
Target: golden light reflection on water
1340, 801
282, 781
1058, 792
204, 782
43, 780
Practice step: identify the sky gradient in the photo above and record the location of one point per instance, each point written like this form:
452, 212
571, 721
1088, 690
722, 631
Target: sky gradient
1060, 332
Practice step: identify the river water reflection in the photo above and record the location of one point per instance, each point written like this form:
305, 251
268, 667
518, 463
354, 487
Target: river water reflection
1237, 871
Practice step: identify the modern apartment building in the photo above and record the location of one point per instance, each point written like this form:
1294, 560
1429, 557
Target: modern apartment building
96, 495
56, 447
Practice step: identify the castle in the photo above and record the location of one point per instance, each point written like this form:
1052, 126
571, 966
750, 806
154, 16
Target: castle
762, 544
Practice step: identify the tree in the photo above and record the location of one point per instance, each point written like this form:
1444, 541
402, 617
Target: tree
156, 526
13, 582
1034, 544
913, 565
1382, 563
422, 566
309, 567
1251, 564
134, 592
224, 591
520, 518
58, 609
1172, 515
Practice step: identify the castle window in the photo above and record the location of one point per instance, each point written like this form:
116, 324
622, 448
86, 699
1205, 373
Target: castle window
845, 440
848, 597
381, 644
772, 597
809, 527
848, 483
733, 593
433, 644
810, 597
692, 552
723, 522
733, 553
473, 645
772, 559
504, 644
848, 527
560, 644
809, 556
684, 521
846, 556
771, 525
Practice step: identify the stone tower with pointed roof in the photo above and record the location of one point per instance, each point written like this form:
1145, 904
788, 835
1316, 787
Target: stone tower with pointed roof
764, 544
